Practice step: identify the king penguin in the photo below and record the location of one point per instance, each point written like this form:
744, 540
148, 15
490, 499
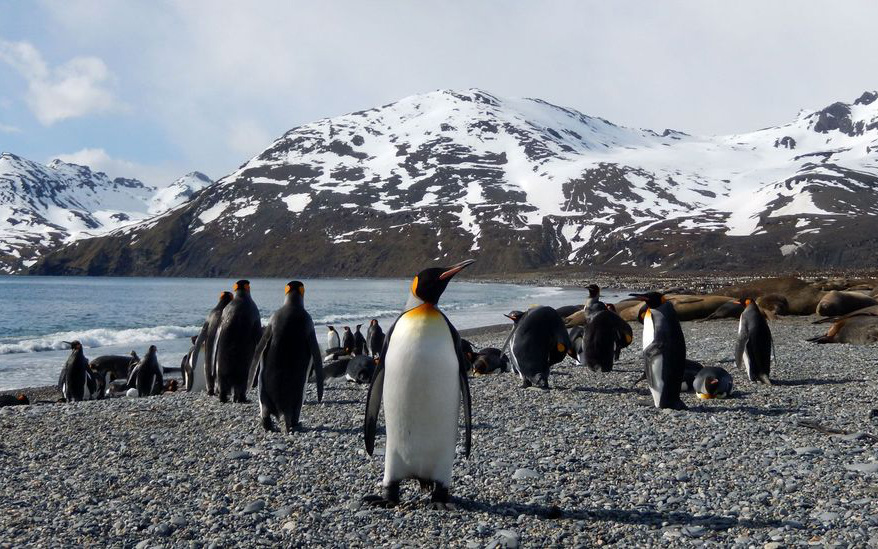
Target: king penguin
77, 381
421, 377
753, 352
359, 341
538, 341
332, 340
204, 378
713, 382
239, 332
375, 337
347, 340
286, 352
147, 377
664, 351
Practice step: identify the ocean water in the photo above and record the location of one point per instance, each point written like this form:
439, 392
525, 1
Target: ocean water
117, 315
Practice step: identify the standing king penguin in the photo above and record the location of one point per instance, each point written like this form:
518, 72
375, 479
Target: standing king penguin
753, 352
77, 381
286, 353
375, 337
425, 371
205, 378
664, 351
239, 331
347, 340
359, 341
332, 339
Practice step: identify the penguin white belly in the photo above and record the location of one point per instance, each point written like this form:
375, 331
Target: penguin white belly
421, 398
199, 381
656, 364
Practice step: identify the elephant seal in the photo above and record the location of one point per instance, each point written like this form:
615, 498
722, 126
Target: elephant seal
773, 305
837, 303
857, 330
802, 297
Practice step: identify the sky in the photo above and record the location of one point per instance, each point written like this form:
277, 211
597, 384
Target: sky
155, 89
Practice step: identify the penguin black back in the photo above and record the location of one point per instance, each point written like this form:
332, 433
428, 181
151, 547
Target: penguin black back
347, 340
753, 351
359, 341
375, 337
149, 379
599, 341
538, 341
239, 332
286, 353
204, 377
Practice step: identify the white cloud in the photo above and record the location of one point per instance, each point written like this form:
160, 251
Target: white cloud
6, 128
100, 161
247, 137
76, 88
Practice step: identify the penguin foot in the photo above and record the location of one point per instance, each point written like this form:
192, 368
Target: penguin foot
295, 428
389, 497
269, 425
680, 405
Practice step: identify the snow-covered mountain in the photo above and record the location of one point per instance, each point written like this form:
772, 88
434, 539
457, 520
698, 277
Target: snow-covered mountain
44, 206
520, 183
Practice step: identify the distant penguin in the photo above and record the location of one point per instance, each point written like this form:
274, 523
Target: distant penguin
360, 369
469, 353
147, 377
187, 366
664, 351
689, 373
205, 377
114, 366
239, 332
489, 360
603, 338
332, 339
713, 382
576, 342
334, 365
426, 381
753, 352
359, 341
18, 400
77, 381
538, 340
593, 303
347, 340
375, 337
286, 353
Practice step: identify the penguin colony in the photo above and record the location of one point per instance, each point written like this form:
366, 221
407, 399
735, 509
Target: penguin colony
419, 370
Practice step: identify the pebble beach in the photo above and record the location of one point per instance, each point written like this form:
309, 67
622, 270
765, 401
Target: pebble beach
589, 463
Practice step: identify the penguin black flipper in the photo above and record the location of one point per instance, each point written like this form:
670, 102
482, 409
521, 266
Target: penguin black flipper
261, 348
463, 368
373, 397
316, 362
199, 342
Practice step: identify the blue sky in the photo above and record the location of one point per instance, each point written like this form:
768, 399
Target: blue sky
155, 89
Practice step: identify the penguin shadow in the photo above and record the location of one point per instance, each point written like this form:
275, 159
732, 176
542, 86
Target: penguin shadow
800, 382
643, 517
335, 402
339, 430
752, 410
608, 390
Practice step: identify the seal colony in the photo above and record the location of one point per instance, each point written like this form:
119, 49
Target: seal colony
514, 420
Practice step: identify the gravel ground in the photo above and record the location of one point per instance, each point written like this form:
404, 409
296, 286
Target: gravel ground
590, 462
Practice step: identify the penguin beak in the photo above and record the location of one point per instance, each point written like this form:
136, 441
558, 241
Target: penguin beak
456, 269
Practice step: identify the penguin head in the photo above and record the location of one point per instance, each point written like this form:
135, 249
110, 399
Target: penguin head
294, 292
611, 307
242, 286
429, 284
358, 327
347, 328
75, 345
194, 339
593, 291
225, 297
652, 299
331, 328
373, 322
514, 316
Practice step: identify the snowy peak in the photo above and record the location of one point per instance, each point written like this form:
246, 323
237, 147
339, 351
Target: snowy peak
525, 183
43, 206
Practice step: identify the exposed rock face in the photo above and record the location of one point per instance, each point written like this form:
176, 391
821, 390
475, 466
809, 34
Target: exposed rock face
521, 184
45, 206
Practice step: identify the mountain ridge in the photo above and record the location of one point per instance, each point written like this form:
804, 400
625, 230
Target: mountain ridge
524, 184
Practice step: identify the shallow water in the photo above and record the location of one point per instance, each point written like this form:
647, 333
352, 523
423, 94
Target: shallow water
116, 315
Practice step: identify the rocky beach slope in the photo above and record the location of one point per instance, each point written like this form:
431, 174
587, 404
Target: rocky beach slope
588, 463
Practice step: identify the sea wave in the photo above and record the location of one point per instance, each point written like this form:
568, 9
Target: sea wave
98, 337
